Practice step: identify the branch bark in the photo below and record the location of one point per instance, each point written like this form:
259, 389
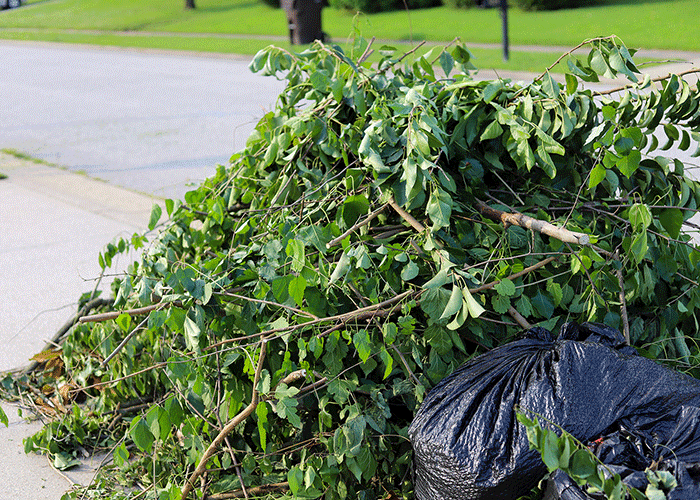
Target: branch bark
256, 491
519, 318
525, 221
245, 413
406, 216
358, 314
513, 276
115, 314
357, 226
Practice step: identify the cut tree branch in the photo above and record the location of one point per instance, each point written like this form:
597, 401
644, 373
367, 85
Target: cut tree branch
357, 226
245, 413
513, 276
131, 312
519, 318
525, 221
268, 303
358, 314
406, 216
256, 491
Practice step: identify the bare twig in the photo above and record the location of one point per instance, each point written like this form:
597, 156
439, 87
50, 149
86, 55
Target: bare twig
519, 318
565, 54
405, 364
655, 80
267, 302
406, 216
358, 314
256, 491
357, 226
623, 301
368, 52
245, 413
125, 341
56, 339
513, 276
131, 312
522, 220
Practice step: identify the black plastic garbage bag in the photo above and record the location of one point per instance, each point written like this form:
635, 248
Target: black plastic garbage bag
630, 454
468, 444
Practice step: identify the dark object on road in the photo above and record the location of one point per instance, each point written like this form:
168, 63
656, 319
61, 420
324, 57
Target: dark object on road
468, 444
304, 19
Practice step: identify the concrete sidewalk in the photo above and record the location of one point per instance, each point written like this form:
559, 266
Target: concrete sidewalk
54, 224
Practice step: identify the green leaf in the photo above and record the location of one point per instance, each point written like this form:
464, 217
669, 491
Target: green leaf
363, 344
341, 268
440, 279
286, 406
141, 435
542, 304
3, 418
571, 83
640, 216
597, 62
672, 221
500, 303
475, 309
447, 63
124, 321
492, 90
505, 287
454, 304
64, 461
630, 163
388, 362
156, 212
295, 478
192, 332
159, 422
582, 464
295, 250
409, 271
296, 289
492, 131
555, 291
353, 208
439, 208
597, 176
551, 453
639, 246
261, 413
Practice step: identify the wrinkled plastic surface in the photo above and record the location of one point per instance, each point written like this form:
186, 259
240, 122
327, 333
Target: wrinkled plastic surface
468, 444
629, 454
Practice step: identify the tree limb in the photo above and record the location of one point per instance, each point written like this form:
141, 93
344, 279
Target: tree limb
267, 302
115, 314
245, 413
89, 306
358, 314
519, 318
406, 216
513, 276
256, 491
525, 221
357, 226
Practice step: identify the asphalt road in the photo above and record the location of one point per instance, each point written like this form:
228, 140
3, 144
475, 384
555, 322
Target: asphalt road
150, 121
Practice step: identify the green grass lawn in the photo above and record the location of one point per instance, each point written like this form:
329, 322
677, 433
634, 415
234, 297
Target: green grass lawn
667, 24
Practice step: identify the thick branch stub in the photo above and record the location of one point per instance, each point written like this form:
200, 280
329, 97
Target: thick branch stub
527, 222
